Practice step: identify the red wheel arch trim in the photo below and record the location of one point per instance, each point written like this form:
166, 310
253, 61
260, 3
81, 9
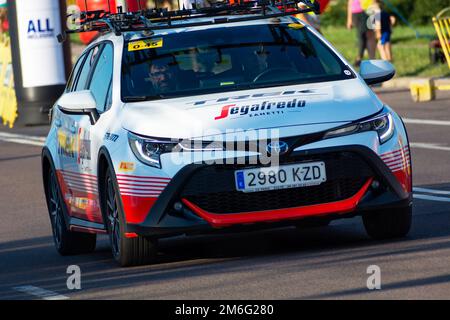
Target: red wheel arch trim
223, 220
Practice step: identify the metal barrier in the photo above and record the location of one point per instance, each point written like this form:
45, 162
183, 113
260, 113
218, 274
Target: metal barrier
442, 25
425, 90
8, 102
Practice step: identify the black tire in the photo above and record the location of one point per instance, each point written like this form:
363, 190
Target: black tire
126, 251
66, 242
388, 224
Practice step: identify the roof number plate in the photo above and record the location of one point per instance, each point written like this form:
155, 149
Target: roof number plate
145, 44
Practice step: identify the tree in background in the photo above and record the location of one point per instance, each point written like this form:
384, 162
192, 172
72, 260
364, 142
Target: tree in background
425, 10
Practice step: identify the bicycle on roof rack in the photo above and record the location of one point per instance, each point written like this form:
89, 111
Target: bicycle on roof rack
160, 18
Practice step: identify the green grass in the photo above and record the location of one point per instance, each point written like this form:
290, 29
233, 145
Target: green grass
411, 55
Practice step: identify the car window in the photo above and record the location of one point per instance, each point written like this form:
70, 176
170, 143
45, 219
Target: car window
73, 76
227, 59
101, 78
85, 70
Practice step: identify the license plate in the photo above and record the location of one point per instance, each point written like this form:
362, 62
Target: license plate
282, 177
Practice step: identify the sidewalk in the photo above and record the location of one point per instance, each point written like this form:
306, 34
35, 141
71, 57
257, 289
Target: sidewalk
404, 82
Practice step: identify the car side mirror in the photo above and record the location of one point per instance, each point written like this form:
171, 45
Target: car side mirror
79, 103
376, 71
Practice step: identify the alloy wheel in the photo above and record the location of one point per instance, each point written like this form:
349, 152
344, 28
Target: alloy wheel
55, 210
113, 217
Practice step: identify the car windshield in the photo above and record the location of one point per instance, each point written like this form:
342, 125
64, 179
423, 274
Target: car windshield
226, 59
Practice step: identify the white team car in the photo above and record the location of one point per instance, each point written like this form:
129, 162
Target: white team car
219, 125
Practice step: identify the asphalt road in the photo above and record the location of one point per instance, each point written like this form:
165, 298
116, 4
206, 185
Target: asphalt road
329, 263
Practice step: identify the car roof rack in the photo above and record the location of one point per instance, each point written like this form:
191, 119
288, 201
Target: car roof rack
161, 18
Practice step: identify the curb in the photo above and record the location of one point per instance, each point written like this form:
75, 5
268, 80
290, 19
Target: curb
404, 82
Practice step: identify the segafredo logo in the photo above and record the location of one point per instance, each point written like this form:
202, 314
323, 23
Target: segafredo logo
266, 108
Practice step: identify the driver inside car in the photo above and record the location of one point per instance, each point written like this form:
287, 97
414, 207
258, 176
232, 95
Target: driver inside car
166, 76
163, 75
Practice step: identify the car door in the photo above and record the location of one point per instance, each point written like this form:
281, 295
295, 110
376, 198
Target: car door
77, 174
99, 84
90, 135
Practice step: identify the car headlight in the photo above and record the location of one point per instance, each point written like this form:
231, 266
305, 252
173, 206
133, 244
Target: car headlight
199, 145
149, 150
382, 124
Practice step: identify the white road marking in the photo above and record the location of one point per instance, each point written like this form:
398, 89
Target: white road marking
430, 146
425, 121
432, 191
18, 135
22, 139
40, 293
431, 198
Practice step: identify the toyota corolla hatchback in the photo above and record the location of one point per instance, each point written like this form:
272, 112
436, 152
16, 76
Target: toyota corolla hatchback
211, 123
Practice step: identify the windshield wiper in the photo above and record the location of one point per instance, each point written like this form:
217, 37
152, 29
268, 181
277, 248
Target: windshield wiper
277, 84
141, 98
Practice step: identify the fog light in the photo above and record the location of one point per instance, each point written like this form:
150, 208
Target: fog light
375, 184
178, 206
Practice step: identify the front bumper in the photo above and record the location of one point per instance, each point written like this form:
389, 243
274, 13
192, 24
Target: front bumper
210, 200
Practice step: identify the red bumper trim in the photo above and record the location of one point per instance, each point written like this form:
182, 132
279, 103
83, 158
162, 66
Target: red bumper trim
131, 235
223, 220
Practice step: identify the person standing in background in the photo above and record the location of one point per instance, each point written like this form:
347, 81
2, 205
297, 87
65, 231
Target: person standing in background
189, 4
357, 17
3, 16
383, 28
164, 4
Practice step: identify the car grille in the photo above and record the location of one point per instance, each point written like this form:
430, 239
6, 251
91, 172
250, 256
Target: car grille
213, 188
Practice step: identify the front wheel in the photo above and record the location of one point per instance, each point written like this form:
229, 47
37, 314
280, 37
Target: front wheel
388, 224
126, 251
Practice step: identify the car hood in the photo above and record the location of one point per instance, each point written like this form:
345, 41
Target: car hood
295, 110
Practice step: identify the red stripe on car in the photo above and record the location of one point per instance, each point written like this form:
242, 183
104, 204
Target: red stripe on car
137, 208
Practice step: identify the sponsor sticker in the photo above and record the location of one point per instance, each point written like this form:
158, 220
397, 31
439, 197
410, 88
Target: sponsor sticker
145, 44
296, 26
126, 166
84, 145
111, 137
227, 83
266, 108
81, 203
66, 144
